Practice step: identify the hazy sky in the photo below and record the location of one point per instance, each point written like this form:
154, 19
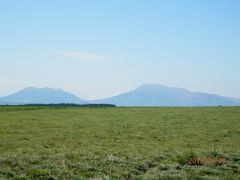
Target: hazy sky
96, 49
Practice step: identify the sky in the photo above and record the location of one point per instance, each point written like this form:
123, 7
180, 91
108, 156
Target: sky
97, 49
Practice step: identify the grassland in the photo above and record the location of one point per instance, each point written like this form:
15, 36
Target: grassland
119, 143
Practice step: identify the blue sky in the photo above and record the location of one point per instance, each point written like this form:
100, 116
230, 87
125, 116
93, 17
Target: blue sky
97, 49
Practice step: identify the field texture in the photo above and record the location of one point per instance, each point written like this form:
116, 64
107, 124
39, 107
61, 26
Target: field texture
119, 143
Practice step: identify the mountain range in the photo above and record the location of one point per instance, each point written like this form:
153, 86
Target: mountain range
31, 95
145, 95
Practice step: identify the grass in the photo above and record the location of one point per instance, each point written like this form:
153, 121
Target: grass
119, 143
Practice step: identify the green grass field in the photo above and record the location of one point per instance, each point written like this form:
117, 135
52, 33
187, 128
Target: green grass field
119, 143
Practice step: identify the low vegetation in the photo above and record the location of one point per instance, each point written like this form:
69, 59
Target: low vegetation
119, 143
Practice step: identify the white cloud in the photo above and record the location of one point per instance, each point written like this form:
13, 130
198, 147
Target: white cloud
86, 56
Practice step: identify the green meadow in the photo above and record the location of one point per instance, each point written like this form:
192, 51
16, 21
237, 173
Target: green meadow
119, 143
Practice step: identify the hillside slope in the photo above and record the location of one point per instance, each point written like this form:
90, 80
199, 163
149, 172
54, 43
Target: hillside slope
33, 95
158, 95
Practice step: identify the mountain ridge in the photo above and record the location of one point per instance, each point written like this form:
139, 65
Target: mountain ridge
32, 95
159, 95
144, 95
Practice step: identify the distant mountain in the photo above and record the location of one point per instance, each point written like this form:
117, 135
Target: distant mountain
146, 95
33, 95
158, 95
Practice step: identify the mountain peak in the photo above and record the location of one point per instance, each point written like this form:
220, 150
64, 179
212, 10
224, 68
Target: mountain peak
46, 95
159, 95
149, 86
159, 87
28, 88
